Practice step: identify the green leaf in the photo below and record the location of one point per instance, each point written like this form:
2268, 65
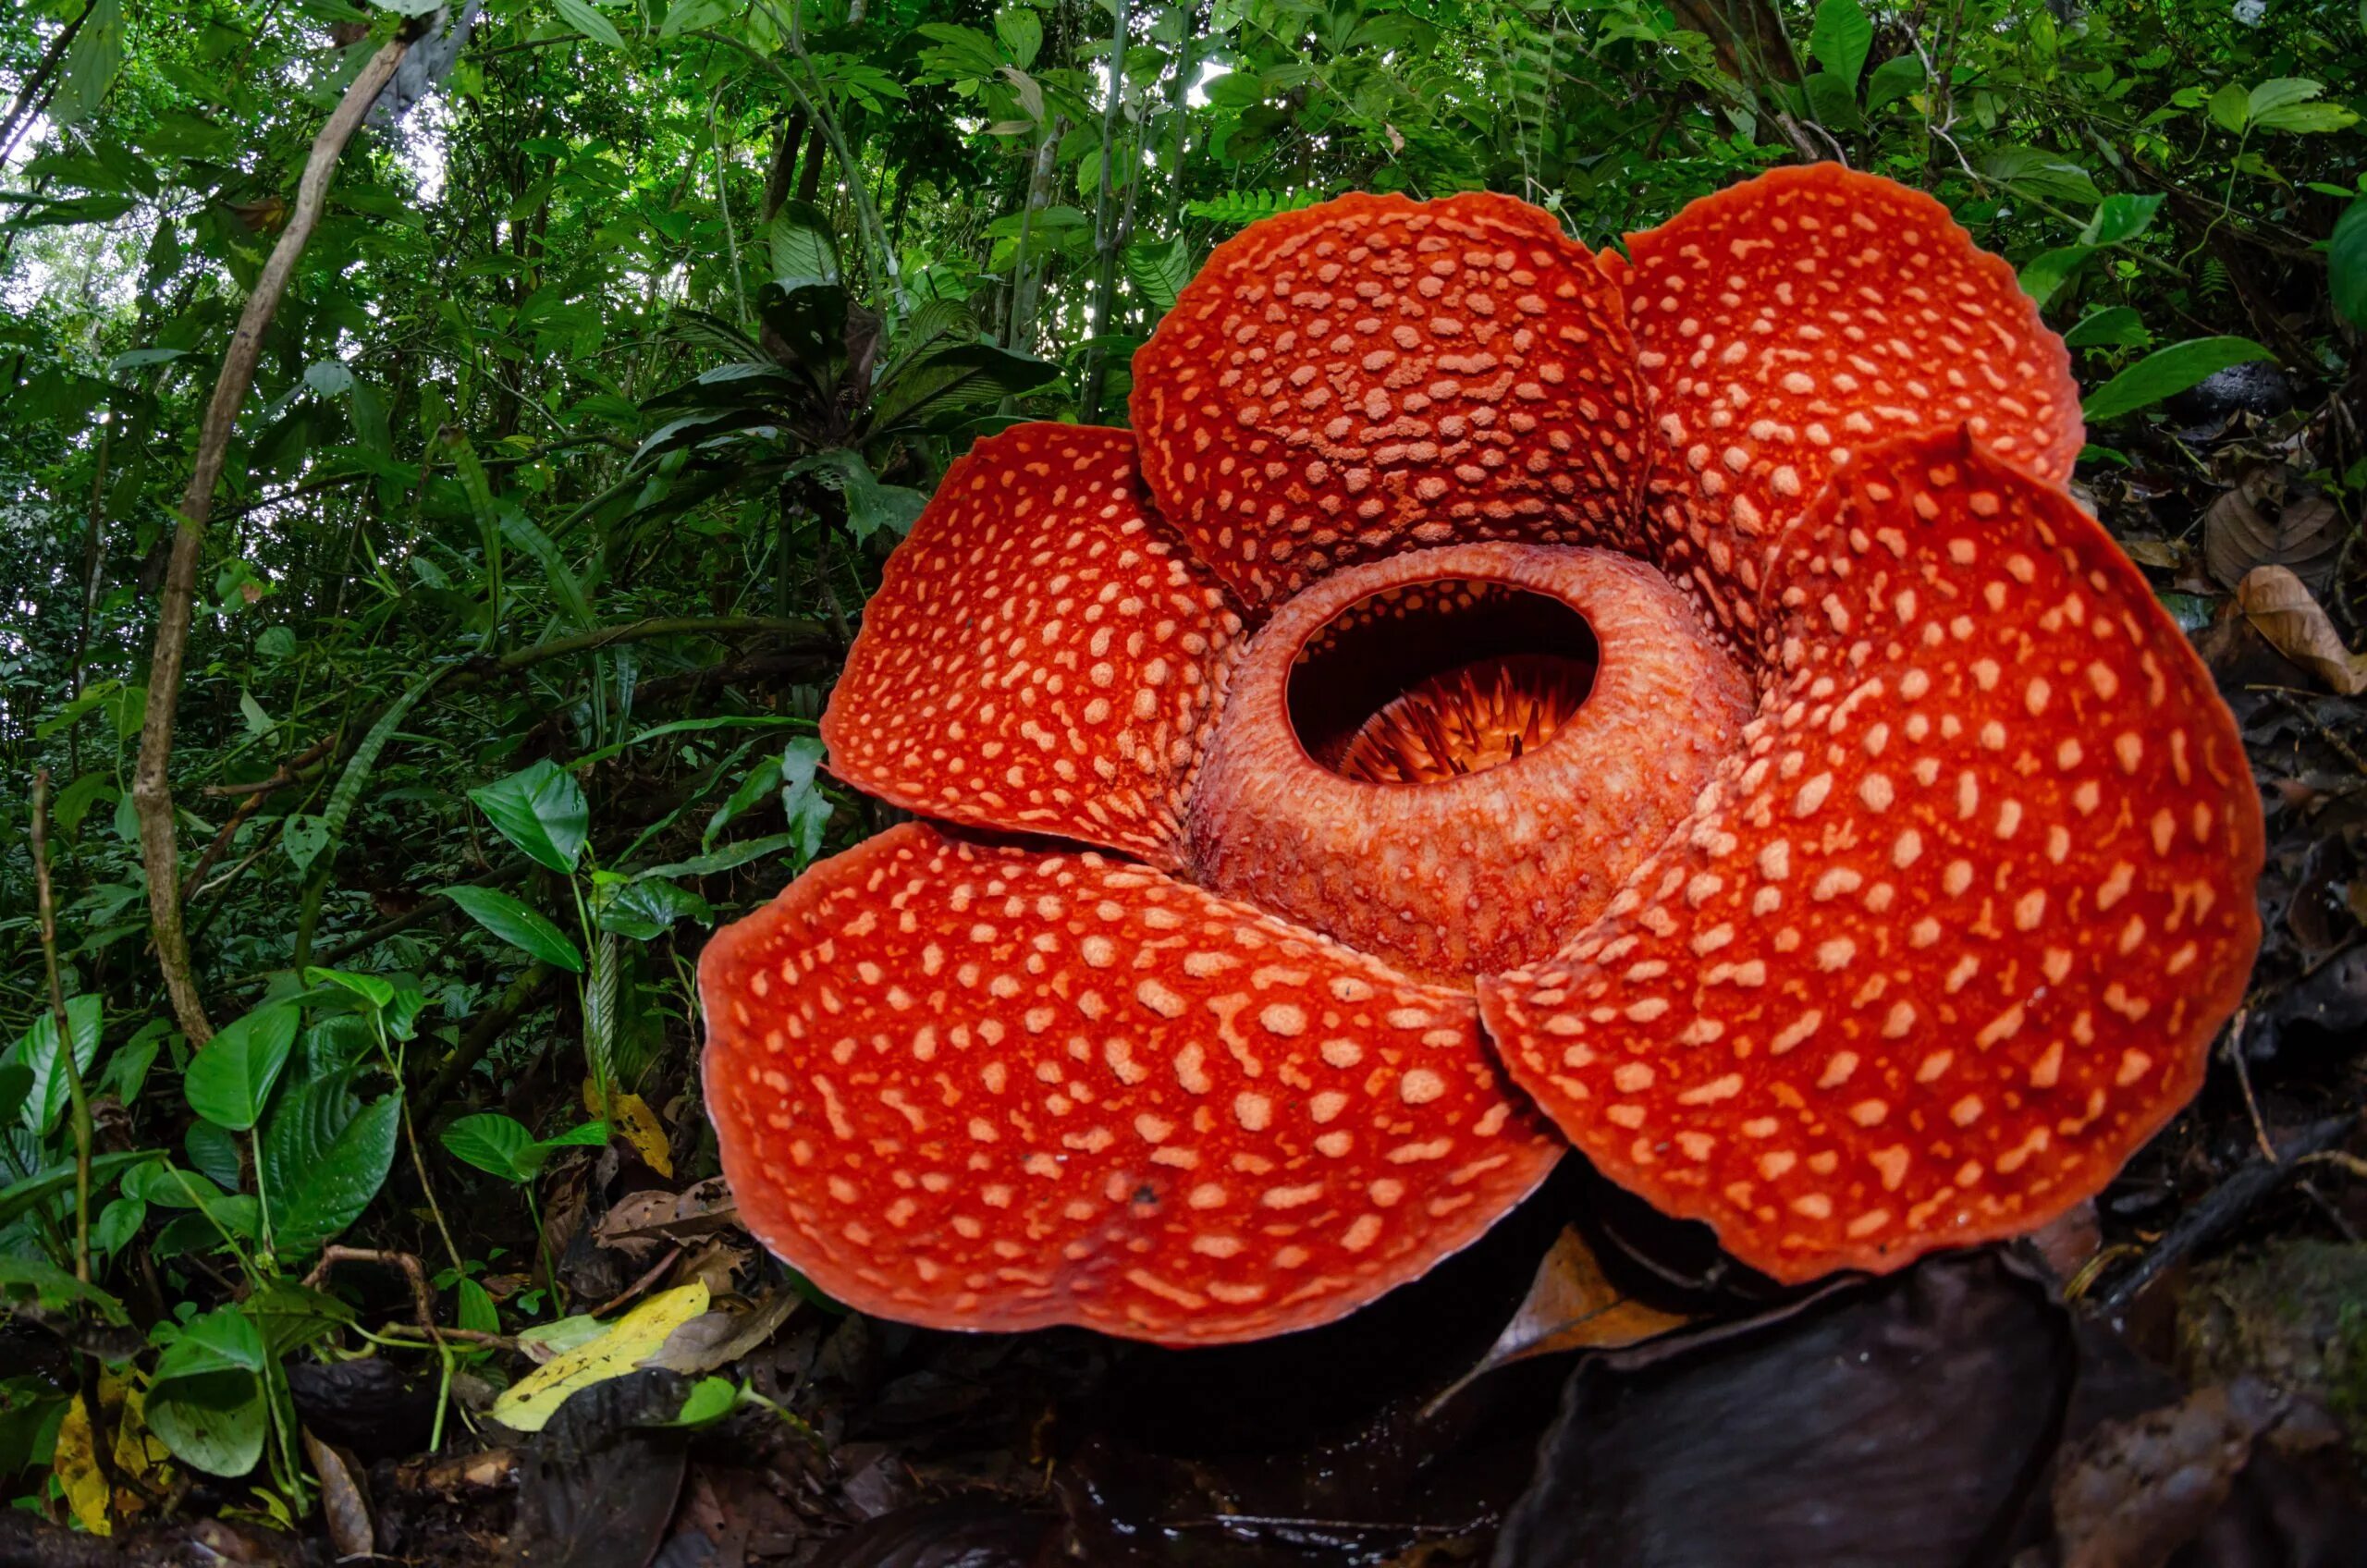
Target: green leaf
872, 507
52, 1288
497, 1145
359, 766
688, 16
645, 909
476, 1312
1158, 270
1840, 39
375, 993
566, 587
323, 1156
519, 926
2045, 273
590, 23
710, 1399
2119, 219
2347, 263
542, 810
2167, 372
207, 1399
803, 247
2306, 119
1021, 32
590, 1135
303, 839
91, 63
725, 859
17, 1079
2231, 107
20, 1198
2049, 176
801, 800
1895, 78
2278, 91
229, 1081
330, 378
46, 1100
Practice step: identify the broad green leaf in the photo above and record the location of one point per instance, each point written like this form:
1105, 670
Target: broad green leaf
2347, 263
1021, 32
74, 803
2047, 175
476, 1312
710, 1399
519, 926
20, 1198
92, 61
1158, 270
290, 1316
687, 15
330, 378
497, 1145
46, 1099
589, 1136
52, 1288
2278, 91
2231, 107
2306, 119
2119, 219
229, 1081
2167, 372
1899, 77
375, 994
1840, 39
645, 909
803, 248
323, 1156
207, 1400
2046, 273
542, 810
213, 1153
303, 839
590, 23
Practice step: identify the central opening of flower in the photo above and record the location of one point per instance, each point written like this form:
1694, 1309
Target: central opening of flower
1427, 681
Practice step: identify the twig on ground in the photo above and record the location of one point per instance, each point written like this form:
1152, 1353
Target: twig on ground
2225, 1205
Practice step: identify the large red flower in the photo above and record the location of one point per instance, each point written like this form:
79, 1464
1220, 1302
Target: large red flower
1667, 705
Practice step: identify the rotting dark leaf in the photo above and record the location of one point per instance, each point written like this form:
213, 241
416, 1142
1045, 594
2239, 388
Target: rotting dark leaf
368, 1405
964, 1532
1900, 1424
600, 1482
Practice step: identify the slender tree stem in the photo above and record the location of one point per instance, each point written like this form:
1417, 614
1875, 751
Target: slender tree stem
47, 906
152, 788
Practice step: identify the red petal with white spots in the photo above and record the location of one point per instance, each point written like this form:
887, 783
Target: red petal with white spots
1374, 375
1809, 314
1951, 934
999, 1088
1042, 656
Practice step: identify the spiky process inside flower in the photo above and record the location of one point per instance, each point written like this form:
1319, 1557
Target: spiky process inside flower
1491, 702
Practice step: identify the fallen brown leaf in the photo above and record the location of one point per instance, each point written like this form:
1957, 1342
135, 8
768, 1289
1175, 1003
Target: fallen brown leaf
2282, 609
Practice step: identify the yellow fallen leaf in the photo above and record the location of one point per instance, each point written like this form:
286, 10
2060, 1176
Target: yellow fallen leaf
630, 1118
139, 1455
631, 1339
77, 1470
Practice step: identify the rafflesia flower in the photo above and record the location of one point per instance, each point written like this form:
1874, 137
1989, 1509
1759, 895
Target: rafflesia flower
1497, 699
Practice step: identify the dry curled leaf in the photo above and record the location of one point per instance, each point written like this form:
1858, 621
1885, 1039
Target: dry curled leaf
343, 1509
2262, 522
2283, 610
1571, 1306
